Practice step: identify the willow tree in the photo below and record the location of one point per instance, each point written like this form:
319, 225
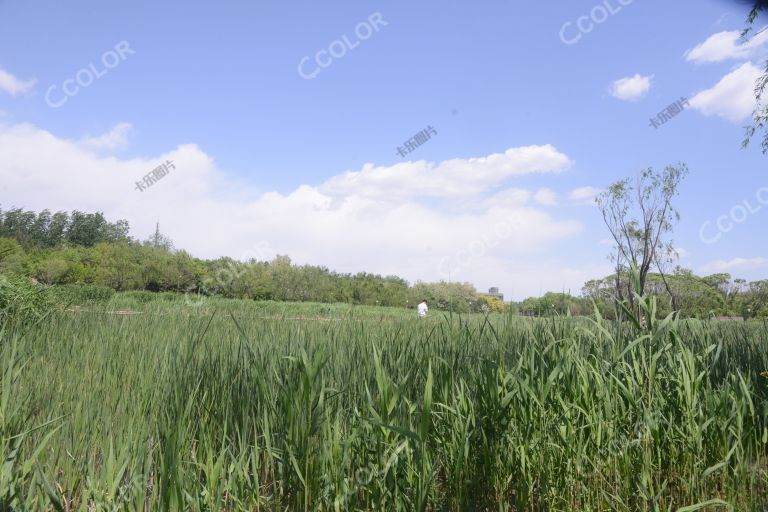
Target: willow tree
760, 114
640, 216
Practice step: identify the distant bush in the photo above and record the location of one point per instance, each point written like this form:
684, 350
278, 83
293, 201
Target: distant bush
81, 294
170, 296
22, 300
140, 296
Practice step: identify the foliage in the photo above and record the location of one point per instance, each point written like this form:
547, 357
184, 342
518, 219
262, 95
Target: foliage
140, 296
493, 305
82, 275
456, 297
760, 114
133, 266
278, 406
21, 300
160, 240
640, 218
554, 304
81, 294
31, 229
701, 297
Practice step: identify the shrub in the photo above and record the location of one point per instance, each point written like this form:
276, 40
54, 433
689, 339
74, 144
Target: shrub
80, 294
140, 296
22, 300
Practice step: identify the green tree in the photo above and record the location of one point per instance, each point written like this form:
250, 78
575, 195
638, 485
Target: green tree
640, 217
57, 228
85, 229
13, 259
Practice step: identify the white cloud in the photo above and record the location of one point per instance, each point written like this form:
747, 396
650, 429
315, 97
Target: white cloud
721, 19
545, 197
631, 88
738, 264
116, 138
508, 198
727, 45
733, 97
13, 85
352, 222
584, 195
450, 178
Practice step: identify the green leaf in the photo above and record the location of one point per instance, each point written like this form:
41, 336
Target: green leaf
701, 505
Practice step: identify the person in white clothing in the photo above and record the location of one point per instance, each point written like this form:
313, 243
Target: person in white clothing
422, 308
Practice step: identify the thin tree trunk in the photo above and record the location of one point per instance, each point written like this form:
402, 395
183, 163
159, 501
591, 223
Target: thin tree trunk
669, 290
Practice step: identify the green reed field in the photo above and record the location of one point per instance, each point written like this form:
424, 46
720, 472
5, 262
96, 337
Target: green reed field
238, 405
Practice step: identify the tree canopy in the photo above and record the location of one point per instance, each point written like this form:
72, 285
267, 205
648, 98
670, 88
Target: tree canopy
760, 114
112, 260
86, 249
640, 216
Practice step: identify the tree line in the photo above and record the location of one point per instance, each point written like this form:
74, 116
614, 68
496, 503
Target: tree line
47, 230
716, 295
86, 249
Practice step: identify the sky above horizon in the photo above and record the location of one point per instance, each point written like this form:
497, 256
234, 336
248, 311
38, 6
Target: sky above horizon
287, 128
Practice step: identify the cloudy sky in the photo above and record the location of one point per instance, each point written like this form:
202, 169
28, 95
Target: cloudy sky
286, 125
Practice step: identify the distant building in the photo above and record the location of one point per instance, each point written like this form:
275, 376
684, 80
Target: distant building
493, 291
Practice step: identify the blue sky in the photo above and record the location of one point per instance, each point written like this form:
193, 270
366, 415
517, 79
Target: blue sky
309, 167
